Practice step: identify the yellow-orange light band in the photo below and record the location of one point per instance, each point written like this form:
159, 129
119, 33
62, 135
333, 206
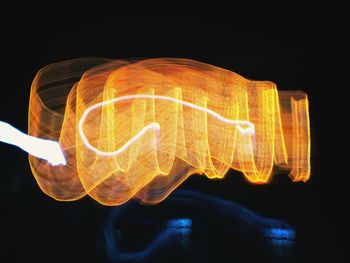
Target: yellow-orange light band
140, 128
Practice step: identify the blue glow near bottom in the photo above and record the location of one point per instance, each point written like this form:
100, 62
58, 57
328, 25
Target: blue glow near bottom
181, 225
280, 233
178, 229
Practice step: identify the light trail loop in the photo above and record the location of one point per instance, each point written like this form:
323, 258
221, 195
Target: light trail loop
154, 125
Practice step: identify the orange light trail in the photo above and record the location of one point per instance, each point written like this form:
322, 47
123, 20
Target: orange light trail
138, 129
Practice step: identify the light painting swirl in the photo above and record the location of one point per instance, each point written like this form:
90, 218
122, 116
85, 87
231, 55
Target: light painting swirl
138, 129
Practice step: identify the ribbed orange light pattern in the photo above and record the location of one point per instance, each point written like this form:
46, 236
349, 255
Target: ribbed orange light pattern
190, 140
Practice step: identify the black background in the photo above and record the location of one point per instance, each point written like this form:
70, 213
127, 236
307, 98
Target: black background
35, 228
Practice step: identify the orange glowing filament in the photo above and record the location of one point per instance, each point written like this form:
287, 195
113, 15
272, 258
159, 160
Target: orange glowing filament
140, 128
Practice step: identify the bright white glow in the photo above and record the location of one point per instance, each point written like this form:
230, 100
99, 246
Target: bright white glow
155, 125
41, 148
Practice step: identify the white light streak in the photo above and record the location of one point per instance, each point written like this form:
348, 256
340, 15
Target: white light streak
155, 125
41, 148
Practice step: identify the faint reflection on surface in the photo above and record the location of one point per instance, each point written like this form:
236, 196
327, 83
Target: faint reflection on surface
191, 226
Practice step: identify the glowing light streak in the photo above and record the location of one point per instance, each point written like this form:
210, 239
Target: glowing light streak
155, 125
138, 129
41, 148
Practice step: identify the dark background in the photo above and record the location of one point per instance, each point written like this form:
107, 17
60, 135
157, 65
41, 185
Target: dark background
35, 228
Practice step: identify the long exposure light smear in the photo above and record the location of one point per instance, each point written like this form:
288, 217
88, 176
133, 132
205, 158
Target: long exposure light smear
41, 148
139, 128
239, 221
250, 130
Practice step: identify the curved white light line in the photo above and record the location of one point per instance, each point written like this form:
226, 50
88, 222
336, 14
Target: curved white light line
154, 125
